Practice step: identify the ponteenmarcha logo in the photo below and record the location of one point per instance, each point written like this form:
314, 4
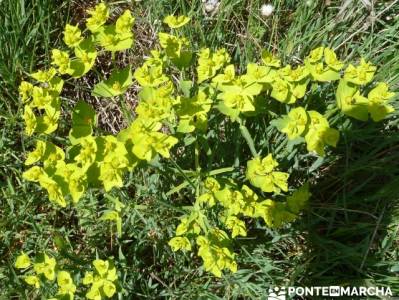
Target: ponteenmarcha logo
276, 293
283, 293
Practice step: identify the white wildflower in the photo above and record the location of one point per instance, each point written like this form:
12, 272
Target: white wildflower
267, 10
211, 5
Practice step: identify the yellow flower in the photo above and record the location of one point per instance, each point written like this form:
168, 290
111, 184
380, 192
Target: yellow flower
99, 16
180, 243
65, 283
261, 173
72, 35
295, 123
25, 90
176, 21
30, 120
32, 280
46, 267
23, 261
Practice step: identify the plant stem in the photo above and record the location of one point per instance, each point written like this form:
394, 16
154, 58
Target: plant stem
221, 171
196, 157
247, 136
197, 167
126, 113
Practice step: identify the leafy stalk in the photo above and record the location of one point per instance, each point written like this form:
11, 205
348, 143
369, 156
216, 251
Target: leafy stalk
248, 138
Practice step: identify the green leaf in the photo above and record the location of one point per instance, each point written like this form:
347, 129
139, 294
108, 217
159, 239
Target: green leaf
76, 68
350, 101
113, 41
185, 86
228, 111
147, 93
280, 123
57, 84
299, 199
83, 120
117, 84
252, 89
113, 215
183, 60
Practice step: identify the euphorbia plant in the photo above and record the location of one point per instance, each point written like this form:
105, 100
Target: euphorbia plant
44, 270
176, 110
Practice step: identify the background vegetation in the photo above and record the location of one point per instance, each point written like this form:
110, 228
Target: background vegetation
349, 234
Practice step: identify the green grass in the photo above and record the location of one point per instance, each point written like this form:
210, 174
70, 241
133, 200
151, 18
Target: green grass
28, 30
349, 234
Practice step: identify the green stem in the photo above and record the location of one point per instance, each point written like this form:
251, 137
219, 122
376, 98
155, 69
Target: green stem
329, 113
221, 171
113, 59
247, 136
177, 188
196, 157
183, 174
197, 167
126, 113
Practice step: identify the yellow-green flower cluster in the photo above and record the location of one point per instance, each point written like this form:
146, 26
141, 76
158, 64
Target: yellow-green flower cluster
45, 268
261, 173
175, 46
215, 250
42, 109
378, 99
211, 186
176, 21
66, 287
115, 37
42, 102
319, 133
108, 156
239, 94
193, 112
311, 126
275, 213
53, 174
103, 280
323, 64
146, 140
238, 204
63, 177
155, 108
351, 101
290, 84
210, 63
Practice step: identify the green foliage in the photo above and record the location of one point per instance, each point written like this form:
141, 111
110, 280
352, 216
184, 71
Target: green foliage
115, 85
147, 255
83, 121
104, 159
